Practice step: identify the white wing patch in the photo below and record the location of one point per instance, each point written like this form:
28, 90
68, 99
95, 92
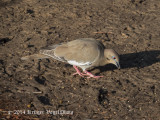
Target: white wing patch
72, 62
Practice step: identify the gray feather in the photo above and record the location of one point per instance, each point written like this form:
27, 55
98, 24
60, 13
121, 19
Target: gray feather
49, 51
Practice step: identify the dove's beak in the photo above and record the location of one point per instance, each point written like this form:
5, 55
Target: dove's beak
118, 65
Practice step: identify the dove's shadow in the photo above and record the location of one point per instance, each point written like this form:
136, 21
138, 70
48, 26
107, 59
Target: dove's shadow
138, 60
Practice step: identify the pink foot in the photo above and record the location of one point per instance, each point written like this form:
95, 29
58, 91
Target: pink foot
91, 75
86, 73
77, 71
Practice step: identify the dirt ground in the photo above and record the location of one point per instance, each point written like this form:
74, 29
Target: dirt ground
131, 27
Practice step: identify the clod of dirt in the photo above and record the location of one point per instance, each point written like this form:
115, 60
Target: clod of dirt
103, 98
44, 100
30, 11
40, 80
4, 40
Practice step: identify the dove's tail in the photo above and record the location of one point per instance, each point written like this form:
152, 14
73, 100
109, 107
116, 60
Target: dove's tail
34, 56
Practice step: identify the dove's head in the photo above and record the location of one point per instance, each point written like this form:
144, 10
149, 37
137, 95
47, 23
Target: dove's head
111, 57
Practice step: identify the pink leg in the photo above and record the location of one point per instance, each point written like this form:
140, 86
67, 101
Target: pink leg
91, 75
86, 73
77, 71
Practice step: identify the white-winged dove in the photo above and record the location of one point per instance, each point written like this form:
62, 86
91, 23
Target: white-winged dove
84, 53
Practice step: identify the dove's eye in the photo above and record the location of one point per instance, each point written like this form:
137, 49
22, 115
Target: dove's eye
114, 57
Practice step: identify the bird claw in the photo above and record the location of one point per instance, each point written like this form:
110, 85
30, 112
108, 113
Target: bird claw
75, 73
86, 73
91, 75
80, 74
94, 76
